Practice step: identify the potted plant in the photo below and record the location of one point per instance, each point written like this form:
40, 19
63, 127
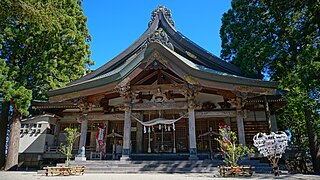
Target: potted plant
71, 135
232, 152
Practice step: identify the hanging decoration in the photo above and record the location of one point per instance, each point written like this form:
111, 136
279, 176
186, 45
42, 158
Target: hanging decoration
101, 139
224, 128
160, 122
272, 146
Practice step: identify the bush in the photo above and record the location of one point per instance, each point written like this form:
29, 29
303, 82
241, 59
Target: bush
66, 149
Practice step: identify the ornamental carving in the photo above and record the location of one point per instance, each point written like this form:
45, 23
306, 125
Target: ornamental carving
82, 117
104, 103
159, 97
166, 12
161, 37
156, 61
126, 106
123, 88
208, 106
83, 104
155, 65
191, 90
241, 94
192, 104
237, 103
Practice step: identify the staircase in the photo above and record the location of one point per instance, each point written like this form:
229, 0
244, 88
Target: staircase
162, 166
163, 163
200, 166
258, 166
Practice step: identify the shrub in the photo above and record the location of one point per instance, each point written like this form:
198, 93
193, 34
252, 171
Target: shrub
231, 150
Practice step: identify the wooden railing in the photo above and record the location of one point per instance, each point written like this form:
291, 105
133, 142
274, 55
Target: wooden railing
55, 149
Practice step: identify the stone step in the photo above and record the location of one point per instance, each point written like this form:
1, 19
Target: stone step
176, 166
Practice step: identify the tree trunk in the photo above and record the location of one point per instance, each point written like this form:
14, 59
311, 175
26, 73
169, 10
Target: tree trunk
313, 142
14, 138
3, 132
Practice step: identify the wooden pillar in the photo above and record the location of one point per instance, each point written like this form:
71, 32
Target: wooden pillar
267, 111
192, 135
126, 134
192, 129
139, 136
56, 134
84, 127
190, 92
274, 126
240, 125
241, 133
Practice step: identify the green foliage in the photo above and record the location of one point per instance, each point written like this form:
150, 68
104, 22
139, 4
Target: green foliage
43, 46
279, 39
66, 149
228, 145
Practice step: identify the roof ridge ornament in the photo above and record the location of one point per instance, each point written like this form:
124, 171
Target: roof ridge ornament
166, 12
161, 37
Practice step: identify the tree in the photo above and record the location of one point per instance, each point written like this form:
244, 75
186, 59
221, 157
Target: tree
44, 45
71, 135
280, 40
4, 113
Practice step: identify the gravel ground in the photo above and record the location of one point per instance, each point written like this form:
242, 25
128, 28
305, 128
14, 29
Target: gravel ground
20, 175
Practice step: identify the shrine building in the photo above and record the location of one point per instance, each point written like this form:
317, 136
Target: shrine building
164, 94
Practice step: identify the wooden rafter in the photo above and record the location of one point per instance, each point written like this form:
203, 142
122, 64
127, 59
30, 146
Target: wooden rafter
141, 81
175, 79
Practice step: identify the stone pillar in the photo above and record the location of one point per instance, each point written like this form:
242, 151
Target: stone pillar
192, 135
84, 127
139, 136
126, 134
241, 134
274, 126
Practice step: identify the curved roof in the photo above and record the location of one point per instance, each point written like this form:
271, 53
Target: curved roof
182, 45
180, 65
184, 57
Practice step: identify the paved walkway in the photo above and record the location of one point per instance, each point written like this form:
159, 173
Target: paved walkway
192, 176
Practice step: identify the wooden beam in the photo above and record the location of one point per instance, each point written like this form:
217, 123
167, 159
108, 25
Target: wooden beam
164, 87
146, 77
160, 106
175, 79
206, 114
104, 117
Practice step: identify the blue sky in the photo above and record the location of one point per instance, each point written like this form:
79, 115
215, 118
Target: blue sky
114, 25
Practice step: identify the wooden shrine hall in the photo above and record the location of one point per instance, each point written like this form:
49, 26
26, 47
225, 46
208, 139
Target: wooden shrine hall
163, 94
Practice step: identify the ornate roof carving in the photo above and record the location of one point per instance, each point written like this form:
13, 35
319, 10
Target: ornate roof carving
160, 36
166, 12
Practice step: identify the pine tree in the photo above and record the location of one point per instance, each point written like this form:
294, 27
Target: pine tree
280, 39
44, 45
